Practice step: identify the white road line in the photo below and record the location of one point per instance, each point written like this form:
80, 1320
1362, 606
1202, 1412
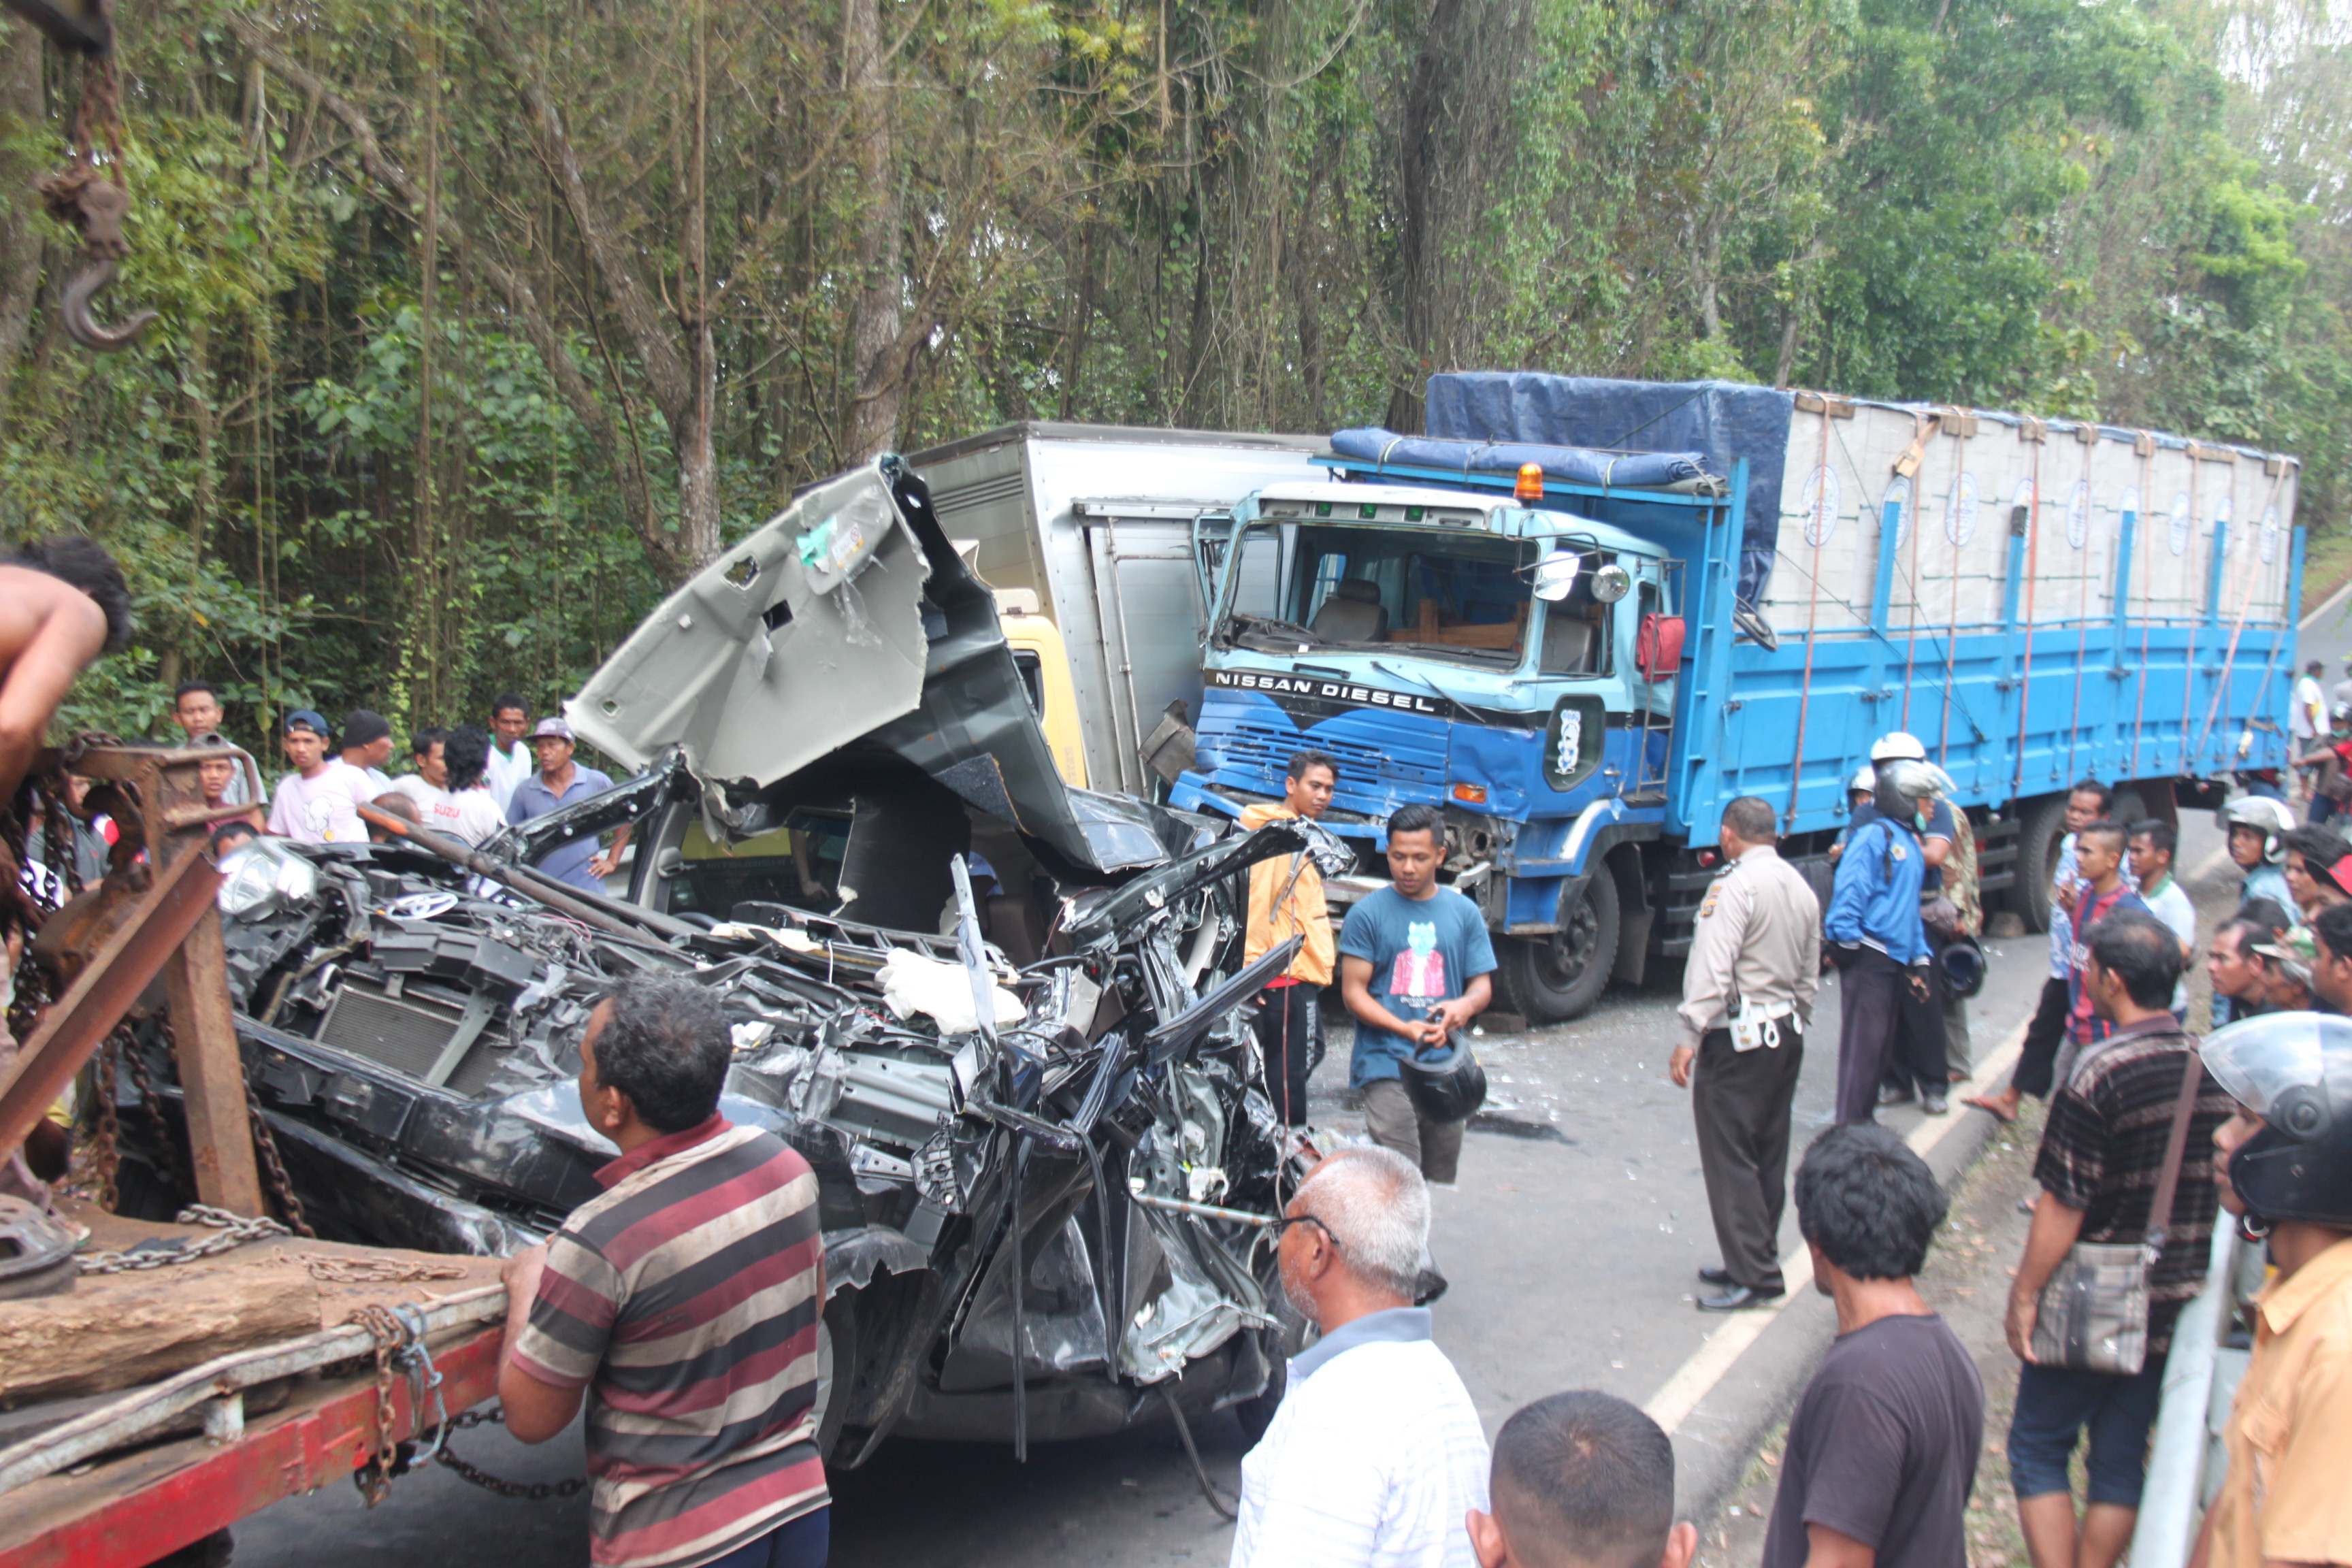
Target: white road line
1696, 1377
2332, 601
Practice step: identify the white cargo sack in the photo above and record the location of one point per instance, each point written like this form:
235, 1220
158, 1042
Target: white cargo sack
941, 992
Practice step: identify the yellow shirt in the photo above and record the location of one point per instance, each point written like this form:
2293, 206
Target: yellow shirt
2288, 1493
1304, 912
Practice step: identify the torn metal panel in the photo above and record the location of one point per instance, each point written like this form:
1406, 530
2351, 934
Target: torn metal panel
796, 641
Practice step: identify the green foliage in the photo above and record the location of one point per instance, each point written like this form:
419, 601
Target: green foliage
1222, 213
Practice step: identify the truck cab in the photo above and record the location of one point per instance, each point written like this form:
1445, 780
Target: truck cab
1507, 661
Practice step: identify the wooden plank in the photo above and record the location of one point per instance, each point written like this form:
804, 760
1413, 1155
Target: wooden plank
144, 1327
127, 1512
212, 1073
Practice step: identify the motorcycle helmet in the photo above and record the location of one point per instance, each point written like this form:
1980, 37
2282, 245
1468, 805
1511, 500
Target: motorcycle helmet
1865, 781
1904, 783
1963, 962
1445, 1081
2294, 1071
2272, 818
1896, 745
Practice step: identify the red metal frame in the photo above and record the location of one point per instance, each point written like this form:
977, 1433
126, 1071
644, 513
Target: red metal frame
131, 1510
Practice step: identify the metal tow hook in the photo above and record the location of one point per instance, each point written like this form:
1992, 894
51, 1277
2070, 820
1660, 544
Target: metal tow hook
80, 195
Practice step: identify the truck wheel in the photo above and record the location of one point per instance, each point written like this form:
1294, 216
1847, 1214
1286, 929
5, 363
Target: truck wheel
2037, 862
1550, 979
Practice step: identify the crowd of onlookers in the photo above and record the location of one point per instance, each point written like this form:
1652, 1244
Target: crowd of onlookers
469, 782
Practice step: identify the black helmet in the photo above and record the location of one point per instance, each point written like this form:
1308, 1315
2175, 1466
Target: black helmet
2294, 1071
1904, 782
1445, 1081
1963, 962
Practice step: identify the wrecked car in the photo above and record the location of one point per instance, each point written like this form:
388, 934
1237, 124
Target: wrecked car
1000, 1017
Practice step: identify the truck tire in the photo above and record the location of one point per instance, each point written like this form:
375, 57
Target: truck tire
1550, 979
2037, 861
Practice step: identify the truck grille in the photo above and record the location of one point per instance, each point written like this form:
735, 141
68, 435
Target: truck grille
1252, 746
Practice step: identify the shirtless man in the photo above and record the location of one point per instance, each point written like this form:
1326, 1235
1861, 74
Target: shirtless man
62, 604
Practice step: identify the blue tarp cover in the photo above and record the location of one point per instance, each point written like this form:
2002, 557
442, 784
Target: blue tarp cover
1576, 465
1720, 420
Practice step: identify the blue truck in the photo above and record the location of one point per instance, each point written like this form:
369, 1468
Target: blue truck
1579, 616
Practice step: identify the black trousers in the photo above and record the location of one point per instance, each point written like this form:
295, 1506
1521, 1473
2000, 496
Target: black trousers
1919, 1061
1741, 1100
2037, 1059
1870, 1010
1289, 1025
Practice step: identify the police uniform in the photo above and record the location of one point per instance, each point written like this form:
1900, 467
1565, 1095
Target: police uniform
1748, 997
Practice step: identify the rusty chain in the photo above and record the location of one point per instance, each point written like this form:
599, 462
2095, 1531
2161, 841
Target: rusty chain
374, 1477
231, 1231
105, 1156
273, 1167
525, 1491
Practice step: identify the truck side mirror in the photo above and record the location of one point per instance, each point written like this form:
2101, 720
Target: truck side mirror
1658, 648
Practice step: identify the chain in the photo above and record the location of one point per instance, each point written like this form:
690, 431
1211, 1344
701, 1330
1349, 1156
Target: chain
105, 1157
281, 1187
333, 1270
233, 1231
374, 1477
526, 1491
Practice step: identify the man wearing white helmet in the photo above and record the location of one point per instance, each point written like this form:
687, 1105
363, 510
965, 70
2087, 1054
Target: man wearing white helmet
1921, 1060
1874, 934
2258, 827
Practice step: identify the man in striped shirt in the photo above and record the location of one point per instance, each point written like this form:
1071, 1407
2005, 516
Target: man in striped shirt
683, 1303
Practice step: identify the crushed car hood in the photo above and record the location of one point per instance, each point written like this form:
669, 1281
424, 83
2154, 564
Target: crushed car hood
847, 618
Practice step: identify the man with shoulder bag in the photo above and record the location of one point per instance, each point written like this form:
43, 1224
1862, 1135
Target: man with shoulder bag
2119, 1243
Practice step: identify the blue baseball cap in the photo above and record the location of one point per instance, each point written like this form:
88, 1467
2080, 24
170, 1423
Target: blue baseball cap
304, 719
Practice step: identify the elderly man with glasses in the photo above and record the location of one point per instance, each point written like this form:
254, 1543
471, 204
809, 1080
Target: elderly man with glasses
1375, 1454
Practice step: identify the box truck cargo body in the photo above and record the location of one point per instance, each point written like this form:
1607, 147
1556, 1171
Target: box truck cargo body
1097, 523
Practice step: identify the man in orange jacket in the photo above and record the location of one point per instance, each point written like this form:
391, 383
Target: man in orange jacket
1286, 899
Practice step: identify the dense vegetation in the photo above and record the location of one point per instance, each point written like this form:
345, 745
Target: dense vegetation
482, 323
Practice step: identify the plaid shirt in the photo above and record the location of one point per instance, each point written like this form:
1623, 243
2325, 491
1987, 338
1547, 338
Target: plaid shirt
2103, 1153
2084, 1025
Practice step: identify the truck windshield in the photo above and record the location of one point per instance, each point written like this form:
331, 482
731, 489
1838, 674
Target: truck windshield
1442, 593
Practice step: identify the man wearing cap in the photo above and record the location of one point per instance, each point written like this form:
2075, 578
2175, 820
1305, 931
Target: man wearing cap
367, 746
2288, 960
562, 782
319, 802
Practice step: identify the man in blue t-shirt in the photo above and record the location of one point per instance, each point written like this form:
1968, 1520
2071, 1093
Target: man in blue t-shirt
1415, 964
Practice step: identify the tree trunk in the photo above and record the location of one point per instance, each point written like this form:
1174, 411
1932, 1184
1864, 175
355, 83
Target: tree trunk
22, 116
1417, 245
874, 348
671, 369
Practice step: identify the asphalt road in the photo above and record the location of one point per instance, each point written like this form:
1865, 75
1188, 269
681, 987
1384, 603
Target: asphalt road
1572, 1258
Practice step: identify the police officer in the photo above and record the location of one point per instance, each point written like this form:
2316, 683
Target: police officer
1748, 997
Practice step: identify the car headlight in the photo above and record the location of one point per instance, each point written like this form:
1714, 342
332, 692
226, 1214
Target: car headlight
261, 877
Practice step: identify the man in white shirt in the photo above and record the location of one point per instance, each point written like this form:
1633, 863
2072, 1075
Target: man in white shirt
1375, 1457
511, 759
319, 802
2307, 718
2152, 844
449, 788
367, 746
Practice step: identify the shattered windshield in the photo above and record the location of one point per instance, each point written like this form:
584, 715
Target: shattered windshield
1441, 593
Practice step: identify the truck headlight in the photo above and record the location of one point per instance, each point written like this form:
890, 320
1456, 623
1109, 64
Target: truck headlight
1612, 583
